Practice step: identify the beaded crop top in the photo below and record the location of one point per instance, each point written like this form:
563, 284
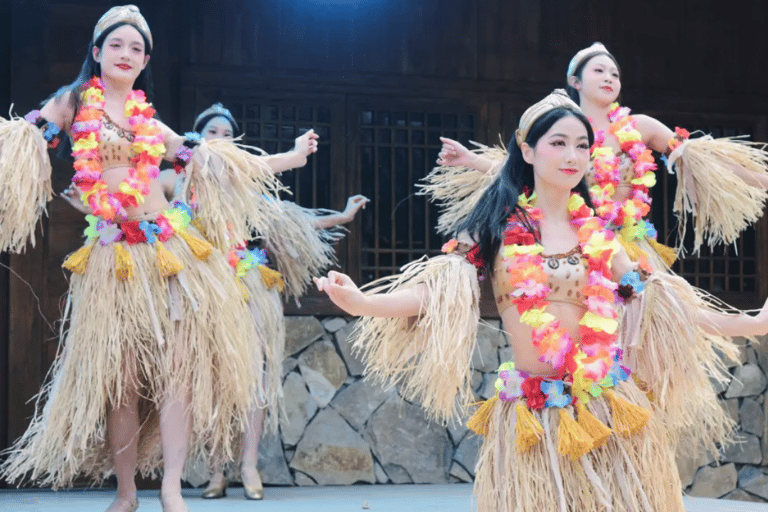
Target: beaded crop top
114, 145
567, 275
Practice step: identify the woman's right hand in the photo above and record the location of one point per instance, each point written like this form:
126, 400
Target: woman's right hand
71, 194
343, 292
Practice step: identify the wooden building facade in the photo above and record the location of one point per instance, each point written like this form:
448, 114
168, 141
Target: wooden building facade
380, 81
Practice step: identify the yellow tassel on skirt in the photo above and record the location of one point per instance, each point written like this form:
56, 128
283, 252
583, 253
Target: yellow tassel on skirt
596, 429
665, 253
527, 428
167, 264
478, 423
199, 247
77, 262
572, 440
123, 263
628, 419
271, 278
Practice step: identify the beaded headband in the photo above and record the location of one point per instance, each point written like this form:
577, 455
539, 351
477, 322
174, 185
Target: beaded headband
217, 109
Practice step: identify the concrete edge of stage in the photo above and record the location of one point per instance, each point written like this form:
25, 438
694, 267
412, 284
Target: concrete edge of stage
376, 498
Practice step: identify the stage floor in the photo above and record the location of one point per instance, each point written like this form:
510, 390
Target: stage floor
376, 498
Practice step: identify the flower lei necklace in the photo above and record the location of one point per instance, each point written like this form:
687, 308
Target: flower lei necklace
147, 149
589, 362
625, 215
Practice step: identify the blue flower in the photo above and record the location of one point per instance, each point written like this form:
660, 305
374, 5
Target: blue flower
51, 131
554, 392
150, 229
650, 230
632, 279
193, 136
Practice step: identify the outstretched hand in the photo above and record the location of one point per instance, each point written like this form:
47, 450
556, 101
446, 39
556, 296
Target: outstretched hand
455, 154
343, 292
306, 144
354, 203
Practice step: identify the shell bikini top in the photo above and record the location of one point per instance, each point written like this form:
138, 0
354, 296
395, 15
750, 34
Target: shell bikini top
567, 275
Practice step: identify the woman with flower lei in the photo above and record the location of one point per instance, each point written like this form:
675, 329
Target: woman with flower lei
568, 429
312, 233
723, 182
155, 360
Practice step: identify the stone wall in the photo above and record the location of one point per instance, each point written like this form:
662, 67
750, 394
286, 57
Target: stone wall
339, 429
741, 473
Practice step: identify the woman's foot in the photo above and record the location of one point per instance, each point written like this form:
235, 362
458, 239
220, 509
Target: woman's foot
123, 505
217, 487
252, 483
173, 502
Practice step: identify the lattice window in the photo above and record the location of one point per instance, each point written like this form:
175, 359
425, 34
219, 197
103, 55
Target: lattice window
273, 127
397, 148
727, 272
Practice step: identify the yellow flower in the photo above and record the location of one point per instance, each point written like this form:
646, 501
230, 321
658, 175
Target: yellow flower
648, 179
514, 250
599, 323
536, 317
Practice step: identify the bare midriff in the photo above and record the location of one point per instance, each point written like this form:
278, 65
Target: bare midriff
154, 202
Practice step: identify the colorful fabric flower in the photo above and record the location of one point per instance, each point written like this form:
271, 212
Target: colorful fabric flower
555, 395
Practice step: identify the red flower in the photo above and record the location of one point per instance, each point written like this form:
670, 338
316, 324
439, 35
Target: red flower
600, 264
518, 235
473, 256
591, 337
532, 390
525, 303
126, 199
133, 235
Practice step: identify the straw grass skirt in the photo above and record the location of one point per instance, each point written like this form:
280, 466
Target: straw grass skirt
635, 473
190, 332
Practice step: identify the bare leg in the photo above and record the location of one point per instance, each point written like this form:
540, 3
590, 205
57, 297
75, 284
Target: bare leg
251, 438
174, 429
123, 432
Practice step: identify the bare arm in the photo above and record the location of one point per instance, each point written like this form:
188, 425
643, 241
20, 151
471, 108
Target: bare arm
455, 154
59, 111
297, 157
656, 136
740, 324
354, 204
344, 293
172, 141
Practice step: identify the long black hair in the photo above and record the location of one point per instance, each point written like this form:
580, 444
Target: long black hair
579, 71
487, 221
92, 68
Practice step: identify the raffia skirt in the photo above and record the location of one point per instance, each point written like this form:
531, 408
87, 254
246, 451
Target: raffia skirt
190, 333
673, 359
628, 473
